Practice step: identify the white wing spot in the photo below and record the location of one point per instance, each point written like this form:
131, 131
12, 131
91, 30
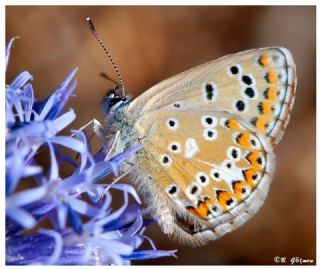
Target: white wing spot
172, 123
282, 76
216, 210
174, 147
210, 134
173, 190
234, 153
282, 93
203, 179
276, 109
246, 190
193, 191
255, 142
208, 121
278, 59
215, 174
191, 148
165, 160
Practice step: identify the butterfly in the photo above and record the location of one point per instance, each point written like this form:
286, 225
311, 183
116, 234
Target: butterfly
208, 137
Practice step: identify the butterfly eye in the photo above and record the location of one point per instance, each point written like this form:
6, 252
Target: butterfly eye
111, 100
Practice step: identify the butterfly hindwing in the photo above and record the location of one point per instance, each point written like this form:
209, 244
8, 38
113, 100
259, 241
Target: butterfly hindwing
210, 165
257, 85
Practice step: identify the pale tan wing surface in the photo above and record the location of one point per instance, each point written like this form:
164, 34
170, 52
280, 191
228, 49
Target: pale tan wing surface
257, 85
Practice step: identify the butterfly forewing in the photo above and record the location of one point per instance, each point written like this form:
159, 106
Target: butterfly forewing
257, 85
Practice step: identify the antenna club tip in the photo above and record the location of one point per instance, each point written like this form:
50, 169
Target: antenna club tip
88, 18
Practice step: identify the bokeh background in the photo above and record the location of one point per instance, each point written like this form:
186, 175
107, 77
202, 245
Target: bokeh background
150, 44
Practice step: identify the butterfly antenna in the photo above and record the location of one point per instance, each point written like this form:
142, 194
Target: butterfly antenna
97, 37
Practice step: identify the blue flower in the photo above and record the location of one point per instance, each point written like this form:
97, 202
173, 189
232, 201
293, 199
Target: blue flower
83, 231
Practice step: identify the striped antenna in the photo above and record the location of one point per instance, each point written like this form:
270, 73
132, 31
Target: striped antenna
97, 37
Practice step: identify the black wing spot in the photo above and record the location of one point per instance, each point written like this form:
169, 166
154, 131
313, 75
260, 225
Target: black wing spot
194, 190
209, 120
234, 154
203, 179
234, 70
247, 80
240, 105
249, 92
173, 190
209, 91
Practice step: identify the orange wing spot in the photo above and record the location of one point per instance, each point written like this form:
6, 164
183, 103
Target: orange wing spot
266, 108
233, 125
251, 176
272, 76
264, 60
238, 188
203, 210
193, 211
207, 201
243, 139
255, 159
225, 199
260, 123
272, 93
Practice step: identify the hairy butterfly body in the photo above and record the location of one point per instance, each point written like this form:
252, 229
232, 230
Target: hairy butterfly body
208, 136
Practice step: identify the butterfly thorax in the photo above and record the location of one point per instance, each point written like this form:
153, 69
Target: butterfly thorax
118, 121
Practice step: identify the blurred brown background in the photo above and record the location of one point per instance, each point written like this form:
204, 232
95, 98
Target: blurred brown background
150, 44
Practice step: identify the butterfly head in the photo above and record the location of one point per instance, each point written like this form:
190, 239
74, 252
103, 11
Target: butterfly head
113, 104
113, 101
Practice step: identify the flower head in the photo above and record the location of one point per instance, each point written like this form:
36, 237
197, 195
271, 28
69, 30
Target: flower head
84, 231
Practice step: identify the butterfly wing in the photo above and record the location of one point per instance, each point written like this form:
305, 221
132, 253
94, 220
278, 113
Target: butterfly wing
209, 170
208, 137
257, 85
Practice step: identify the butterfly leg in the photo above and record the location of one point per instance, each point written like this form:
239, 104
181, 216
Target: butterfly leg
113, 144
117, 179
